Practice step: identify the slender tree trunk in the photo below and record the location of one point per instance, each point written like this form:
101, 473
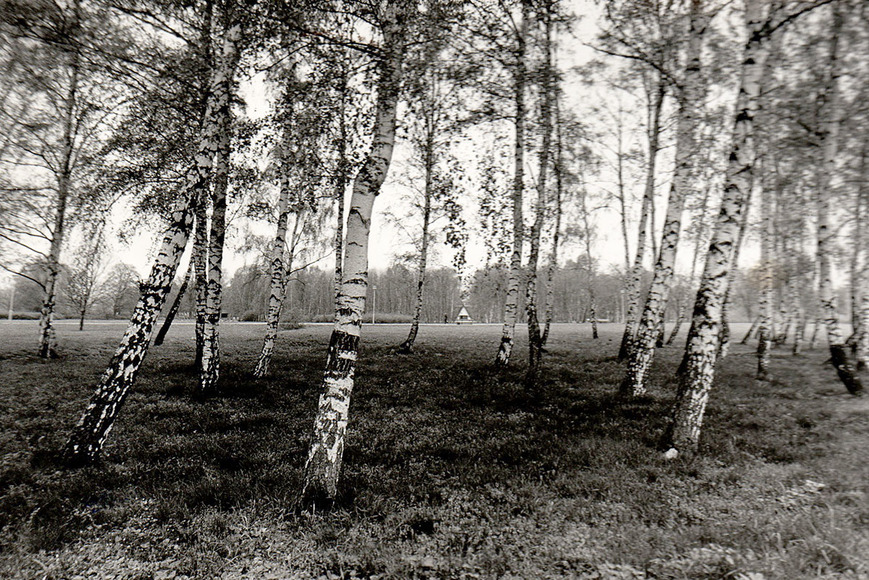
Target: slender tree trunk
340, 190
47, 334
592, 298
764, 332
556, 234
826, 236
278, 273
199, 256
680, 318
800, 328
209, 372
683, 432
176, 305
323, 465
861, 351
751, 330
511, 302
635, 276
90, 433
651, 324
698, 246
429, 162
535, 339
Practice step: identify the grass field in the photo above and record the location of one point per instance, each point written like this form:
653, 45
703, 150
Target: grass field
451, 471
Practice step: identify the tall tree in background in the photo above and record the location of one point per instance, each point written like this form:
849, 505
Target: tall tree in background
82, 288
50, 116
433, 97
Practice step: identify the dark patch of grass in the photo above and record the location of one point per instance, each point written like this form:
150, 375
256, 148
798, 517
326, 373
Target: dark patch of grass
450, 467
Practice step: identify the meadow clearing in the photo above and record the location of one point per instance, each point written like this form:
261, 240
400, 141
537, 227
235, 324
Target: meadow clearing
451, 470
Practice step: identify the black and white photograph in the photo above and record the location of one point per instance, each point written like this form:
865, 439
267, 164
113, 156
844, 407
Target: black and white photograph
434, 289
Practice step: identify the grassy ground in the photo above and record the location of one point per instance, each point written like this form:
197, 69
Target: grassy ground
450, 471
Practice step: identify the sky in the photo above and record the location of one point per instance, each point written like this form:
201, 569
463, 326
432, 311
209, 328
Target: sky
386, 239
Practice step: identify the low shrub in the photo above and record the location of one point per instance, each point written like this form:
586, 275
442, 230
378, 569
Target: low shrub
251, 316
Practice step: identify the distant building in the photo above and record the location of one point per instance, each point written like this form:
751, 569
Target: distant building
464, 317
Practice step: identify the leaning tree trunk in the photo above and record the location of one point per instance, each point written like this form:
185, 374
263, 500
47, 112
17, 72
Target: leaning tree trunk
278, 274
765, 328
862, 340
511, 302
323, 465
680, 318
199, 257
340, 190
535, 339
632, 290
407, 345
683, 432
46, 315
752, 330
176, 306
826, 235
93, 428
651, 324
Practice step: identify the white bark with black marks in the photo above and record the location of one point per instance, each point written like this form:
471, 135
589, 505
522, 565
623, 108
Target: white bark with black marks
323, 466
278, 274
632, 288
651, 324
826, 234
511, 302
89, 435
683, 433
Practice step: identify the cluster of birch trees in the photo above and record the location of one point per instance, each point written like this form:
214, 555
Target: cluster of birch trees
753, 115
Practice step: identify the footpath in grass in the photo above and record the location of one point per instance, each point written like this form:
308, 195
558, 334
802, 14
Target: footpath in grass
451, 471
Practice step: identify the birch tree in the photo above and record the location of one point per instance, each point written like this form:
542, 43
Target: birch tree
689, 97
323, 464
683, 432
831, 111
90, 433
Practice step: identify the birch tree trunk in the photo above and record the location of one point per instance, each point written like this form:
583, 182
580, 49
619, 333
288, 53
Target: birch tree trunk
861, 351
592, 298
535, 340
278, 274
323, 465
199, 256
632, 289
176, 305
683, 433
511, 302
209, 372
431, 129
47, 338
89, 435
764, 330
556, 233
340, 189
826, 235
695, 258
651, 324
